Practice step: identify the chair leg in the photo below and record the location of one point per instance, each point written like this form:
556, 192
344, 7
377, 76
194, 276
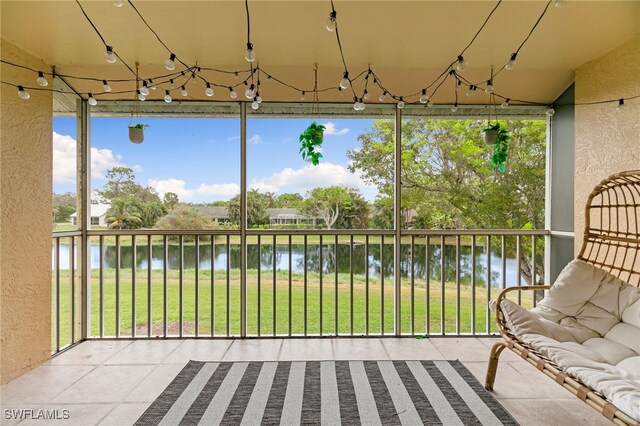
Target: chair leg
496, 350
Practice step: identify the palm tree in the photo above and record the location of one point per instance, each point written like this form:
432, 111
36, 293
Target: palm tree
122, 211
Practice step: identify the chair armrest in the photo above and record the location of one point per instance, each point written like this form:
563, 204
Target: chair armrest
500, 322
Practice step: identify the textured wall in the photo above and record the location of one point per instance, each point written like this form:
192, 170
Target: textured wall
25, 219
607, 141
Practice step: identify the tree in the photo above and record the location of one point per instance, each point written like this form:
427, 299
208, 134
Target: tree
121, 183
356, 214
62, 213
170, 200
150, 212
291, 200
185, 217
327, 203
123, 214
256, 209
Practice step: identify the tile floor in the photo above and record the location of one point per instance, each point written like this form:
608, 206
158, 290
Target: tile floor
113, 382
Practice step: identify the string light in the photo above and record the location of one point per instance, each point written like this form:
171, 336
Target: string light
382, 96
92, 101
208, 91
505, 104
170, 63
344, 83
471, 91
331, 21
109, 55
117, 3
258, 98
400, 103
424, 98
152, 85
184, 92
250, 55
559, 4
621, 105
232, 93
167, 97
23, 93
550, 111
489, 88
366, 95
172, 84
105, 86
144, 90
249, 93
255, 104
302, 95
462, 63
455, 107
512, 62
141, 96
41, 80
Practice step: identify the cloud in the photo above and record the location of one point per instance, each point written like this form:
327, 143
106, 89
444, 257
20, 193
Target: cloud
64, 160
179, 186
309, 177
330, 129
255, 140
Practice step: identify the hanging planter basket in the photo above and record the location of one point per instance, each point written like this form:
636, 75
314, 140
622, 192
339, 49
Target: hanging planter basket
490, 134
136, 133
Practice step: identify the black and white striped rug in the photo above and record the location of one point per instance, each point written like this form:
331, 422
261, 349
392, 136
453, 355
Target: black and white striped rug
325, 393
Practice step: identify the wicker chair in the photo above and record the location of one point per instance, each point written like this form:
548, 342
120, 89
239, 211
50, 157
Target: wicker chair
611, 242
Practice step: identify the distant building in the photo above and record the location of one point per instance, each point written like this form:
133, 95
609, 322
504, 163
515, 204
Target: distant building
290, 216
219, 214
98, 215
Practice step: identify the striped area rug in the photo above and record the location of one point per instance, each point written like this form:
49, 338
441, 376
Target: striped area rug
325, 393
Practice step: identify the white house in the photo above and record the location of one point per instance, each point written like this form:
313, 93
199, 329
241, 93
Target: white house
98, 215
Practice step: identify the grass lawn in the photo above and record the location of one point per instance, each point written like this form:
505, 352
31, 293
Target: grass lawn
376, 302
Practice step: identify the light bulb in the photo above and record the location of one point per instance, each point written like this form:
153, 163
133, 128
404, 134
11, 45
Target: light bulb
105, 86
259, 99
512, 62
471, 91
232, 93
621, 105
550, 112
331, 21
250, 55
356, 105
109, 56
302, 95
505, 104
462, 63
92, 101
344, 83
167, 97
184, 92
208, 91
366, 96
454, 108
401, 104
424, 98
144, 90
382, 97
23, 93
340, 92
362, 105
489, 88
169, 63
152, 85
429, 103
117, 3
249, 93
41, 80
255, 104
559, 4
141, 96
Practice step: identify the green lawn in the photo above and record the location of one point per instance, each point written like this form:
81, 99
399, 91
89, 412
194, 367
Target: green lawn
232, 292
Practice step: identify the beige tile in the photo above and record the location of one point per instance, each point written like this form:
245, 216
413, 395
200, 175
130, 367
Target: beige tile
124, 414
506, 355
540, 380
253, 350
536, 412
463, 348
411, 349
78, 414
509, 382
198, 350
107, 383
90, 353
41, 384
145, 352
153, 385
359, 349
306, 350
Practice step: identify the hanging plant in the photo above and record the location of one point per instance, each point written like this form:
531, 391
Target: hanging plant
490, 133
310, 142
136, 132
500, 149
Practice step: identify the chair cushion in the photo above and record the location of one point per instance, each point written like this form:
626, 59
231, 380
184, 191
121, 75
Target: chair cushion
589, 325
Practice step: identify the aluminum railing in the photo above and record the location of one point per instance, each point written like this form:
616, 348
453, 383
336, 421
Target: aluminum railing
157, 283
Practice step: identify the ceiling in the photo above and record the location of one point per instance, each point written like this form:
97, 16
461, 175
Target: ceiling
407, 43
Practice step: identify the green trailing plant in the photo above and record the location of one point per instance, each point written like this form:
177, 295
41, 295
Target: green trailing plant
139, 126
500, 148
310, 141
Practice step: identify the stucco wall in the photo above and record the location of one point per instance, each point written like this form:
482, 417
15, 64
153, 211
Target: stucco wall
607, 141
25, 219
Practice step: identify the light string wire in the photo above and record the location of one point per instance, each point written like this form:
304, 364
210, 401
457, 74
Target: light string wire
194, 71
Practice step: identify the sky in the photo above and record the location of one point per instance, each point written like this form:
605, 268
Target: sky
199, 158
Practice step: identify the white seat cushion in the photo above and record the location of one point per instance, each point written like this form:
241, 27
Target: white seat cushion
589, 325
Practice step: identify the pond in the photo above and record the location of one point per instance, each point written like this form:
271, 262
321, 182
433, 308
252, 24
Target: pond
264, 258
